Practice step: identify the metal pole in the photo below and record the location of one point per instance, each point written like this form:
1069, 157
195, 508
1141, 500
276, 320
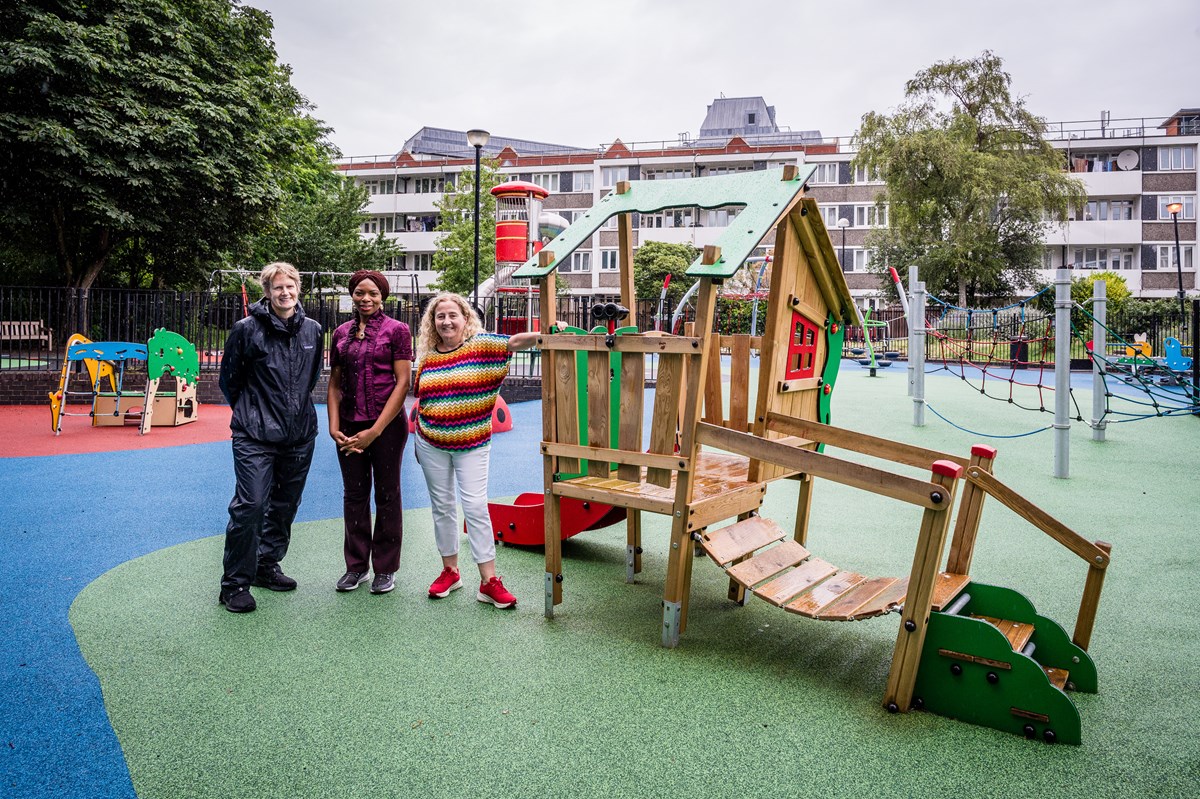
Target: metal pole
913, 327
1179, 276
917, 354
843, 256
1099, 348
1062, 373
475, 295
1195, 351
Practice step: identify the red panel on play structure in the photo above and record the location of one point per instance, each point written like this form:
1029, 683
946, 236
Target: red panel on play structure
522, 522
802, 349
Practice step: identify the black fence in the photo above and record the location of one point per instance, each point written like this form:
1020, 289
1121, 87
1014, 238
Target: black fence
36, 322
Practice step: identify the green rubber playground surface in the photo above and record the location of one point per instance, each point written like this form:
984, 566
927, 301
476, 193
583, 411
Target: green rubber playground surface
319, 694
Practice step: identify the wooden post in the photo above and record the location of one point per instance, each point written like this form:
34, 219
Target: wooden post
552, 511
1091, 600
803, 509
679, 563
599, 386
917, 606
970, 510
625, 260
629, 438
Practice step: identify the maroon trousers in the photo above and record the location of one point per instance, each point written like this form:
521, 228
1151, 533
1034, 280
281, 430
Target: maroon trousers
378, 464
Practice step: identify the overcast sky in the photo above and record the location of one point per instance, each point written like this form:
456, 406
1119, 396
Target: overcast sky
586, 72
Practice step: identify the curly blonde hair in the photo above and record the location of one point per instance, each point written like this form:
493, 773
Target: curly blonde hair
427, 335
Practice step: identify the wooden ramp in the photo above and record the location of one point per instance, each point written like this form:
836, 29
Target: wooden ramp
762, 558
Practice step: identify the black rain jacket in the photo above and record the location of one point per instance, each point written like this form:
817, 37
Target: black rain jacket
268, 373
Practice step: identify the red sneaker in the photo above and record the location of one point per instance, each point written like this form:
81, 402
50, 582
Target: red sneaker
446, 582
493, 591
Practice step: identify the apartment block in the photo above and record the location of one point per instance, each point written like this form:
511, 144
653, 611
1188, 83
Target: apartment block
1134, 171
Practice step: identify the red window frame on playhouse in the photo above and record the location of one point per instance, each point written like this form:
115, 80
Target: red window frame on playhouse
802, 348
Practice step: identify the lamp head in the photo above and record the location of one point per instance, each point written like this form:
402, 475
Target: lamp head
1174, 208
843, 223
477, 138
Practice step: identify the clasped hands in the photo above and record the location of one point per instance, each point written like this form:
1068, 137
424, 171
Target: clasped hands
355, 444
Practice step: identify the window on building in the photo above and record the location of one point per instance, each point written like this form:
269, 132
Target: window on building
718, 217
826, 173
1176, 158
1166, 256
1108, 210
1188, 201
581, 261
1189, 125
1105, 161
857, 260
429, 185
668, 174
422, 261
610, 261
581, 181
749, 117
547, 180
612, 175
829, 215
870, 216
863, 175
726, 170
1109, 258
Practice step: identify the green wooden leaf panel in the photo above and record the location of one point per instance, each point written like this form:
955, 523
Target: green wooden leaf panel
763, 193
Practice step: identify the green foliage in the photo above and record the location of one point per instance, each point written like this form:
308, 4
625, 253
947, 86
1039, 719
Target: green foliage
158, 132
454, 258
734, 316
1117, 293
653, 261
969, 180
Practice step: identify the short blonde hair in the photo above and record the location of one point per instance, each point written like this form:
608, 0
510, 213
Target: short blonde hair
274, 270
427, 335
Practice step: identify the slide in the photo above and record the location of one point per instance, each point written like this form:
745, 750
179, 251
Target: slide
522, 522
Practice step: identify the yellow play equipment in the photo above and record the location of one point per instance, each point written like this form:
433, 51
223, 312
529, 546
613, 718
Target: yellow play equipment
709, 465
167, 354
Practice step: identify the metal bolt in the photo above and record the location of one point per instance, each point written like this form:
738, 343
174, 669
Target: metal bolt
936, 496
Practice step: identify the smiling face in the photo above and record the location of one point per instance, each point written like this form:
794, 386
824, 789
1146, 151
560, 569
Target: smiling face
283, 292
449, 323
367, 298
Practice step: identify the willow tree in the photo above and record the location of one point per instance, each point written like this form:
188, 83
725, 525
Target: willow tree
970, 181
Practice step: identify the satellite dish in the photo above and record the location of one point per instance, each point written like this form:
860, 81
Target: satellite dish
1127, 160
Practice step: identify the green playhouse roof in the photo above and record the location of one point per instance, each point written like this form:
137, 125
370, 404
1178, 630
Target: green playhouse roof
765, 195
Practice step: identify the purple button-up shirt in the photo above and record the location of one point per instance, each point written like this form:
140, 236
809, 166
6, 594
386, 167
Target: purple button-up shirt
368, 372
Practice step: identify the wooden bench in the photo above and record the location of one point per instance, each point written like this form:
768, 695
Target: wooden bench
27, 331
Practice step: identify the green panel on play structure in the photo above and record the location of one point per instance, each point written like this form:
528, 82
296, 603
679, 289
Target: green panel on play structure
763, 193
581, 390
969, 671
835, 334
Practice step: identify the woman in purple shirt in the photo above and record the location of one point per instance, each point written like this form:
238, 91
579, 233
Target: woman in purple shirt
371, 359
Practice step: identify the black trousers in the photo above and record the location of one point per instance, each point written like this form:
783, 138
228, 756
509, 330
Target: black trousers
378, 464
270, 480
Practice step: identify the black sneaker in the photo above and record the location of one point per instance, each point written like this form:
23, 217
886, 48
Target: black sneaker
383, 583
237, 600
351, 580
272, 577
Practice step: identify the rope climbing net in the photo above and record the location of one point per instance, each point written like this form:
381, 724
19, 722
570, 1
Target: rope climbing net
1007, 354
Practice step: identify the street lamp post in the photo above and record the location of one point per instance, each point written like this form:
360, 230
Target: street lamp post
1173, 209
843, 223
477, 139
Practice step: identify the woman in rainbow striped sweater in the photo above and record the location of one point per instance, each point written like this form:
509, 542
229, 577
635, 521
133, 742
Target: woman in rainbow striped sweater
459, 372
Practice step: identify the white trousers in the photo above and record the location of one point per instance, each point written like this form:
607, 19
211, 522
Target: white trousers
469, 472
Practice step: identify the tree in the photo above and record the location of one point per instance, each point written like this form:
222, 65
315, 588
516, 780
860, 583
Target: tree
654, 260
154, 130
454, 258
970, 179
318, 222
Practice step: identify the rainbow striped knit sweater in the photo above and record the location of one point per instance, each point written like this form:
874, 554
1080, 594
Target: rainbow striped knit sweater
456, 392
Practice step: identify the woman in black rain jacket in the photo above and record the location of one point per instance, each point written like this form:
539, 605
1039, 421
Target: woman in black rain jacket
271, 364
